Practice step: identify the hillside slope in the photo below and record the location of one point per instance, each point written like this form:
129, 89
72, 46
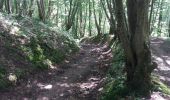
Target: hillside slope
27, 45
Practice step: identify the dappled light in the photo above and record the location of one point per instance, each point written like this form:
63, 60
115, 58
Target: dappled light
159, 48
42, 86
84, 49
76, 77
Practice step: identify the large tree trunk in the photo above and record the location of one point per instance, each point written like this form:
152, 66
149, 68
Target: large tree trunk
138, 55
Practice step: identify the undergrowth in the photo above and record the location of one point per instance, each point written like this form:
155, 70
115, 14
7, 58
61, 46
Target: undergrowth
116, 88
31, 44
159, 86
3, 82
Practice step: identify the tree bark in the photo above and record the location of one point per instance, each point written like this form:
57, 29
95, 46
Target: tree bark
138, 55
1, 4
169, 29
7, 6
41, 9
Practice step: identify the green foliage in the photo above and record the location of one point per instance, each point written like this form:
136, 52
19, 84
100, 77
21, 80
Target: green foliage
116, 88
96, 39
105, 38
37, 56
70, 44
33, 44
159, 86
55, 55
19, 73
118, 62
45, 43
3, 82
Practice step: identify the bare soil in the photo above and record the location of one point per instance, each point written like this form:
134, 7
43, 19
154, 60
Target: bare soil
79, 77
161, 55
82, 75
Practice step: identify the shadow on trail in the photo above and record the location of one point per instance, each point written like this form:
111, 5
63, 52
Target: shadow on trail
161, 54
79, 77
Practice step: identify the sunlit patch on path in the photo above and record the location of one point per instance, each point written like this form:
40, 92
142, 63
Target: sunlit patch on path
80, 77
161, 55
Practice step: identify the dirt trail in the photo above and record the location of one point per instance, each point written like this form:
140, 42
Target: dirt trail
80, 77
161, 55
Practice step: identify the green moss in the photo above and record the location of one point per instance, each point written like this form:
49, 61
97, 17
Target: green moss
20, 73
96, 39
159, 86
115, 90
35, 45
39, 51
55, 55
105, 38
35, 54
3, 83
73, 47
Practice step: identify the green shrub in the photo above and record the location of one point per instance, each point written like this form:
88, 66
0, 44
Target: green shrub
55, 55
160, 86
36, 54
3, 82
116, 89
96, 39
19, 73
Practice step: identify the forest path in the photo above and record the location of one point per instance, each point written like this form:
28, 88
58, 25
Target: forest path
79, 77
160, 48
161, 54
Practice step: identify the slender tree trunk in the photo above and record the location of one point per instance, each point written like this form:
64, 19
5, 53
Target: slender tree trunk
7, 6
41, 9
169, 29
85, 22
99, 34
90, 13
160, 17
155, 15
1, 4
150, 16
50, 4
81, 21
31, 10
74, 5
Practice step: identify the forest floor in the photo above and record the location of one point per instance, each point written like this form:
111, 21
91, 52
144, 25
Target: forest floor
161, 55
82, 75
79, 77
